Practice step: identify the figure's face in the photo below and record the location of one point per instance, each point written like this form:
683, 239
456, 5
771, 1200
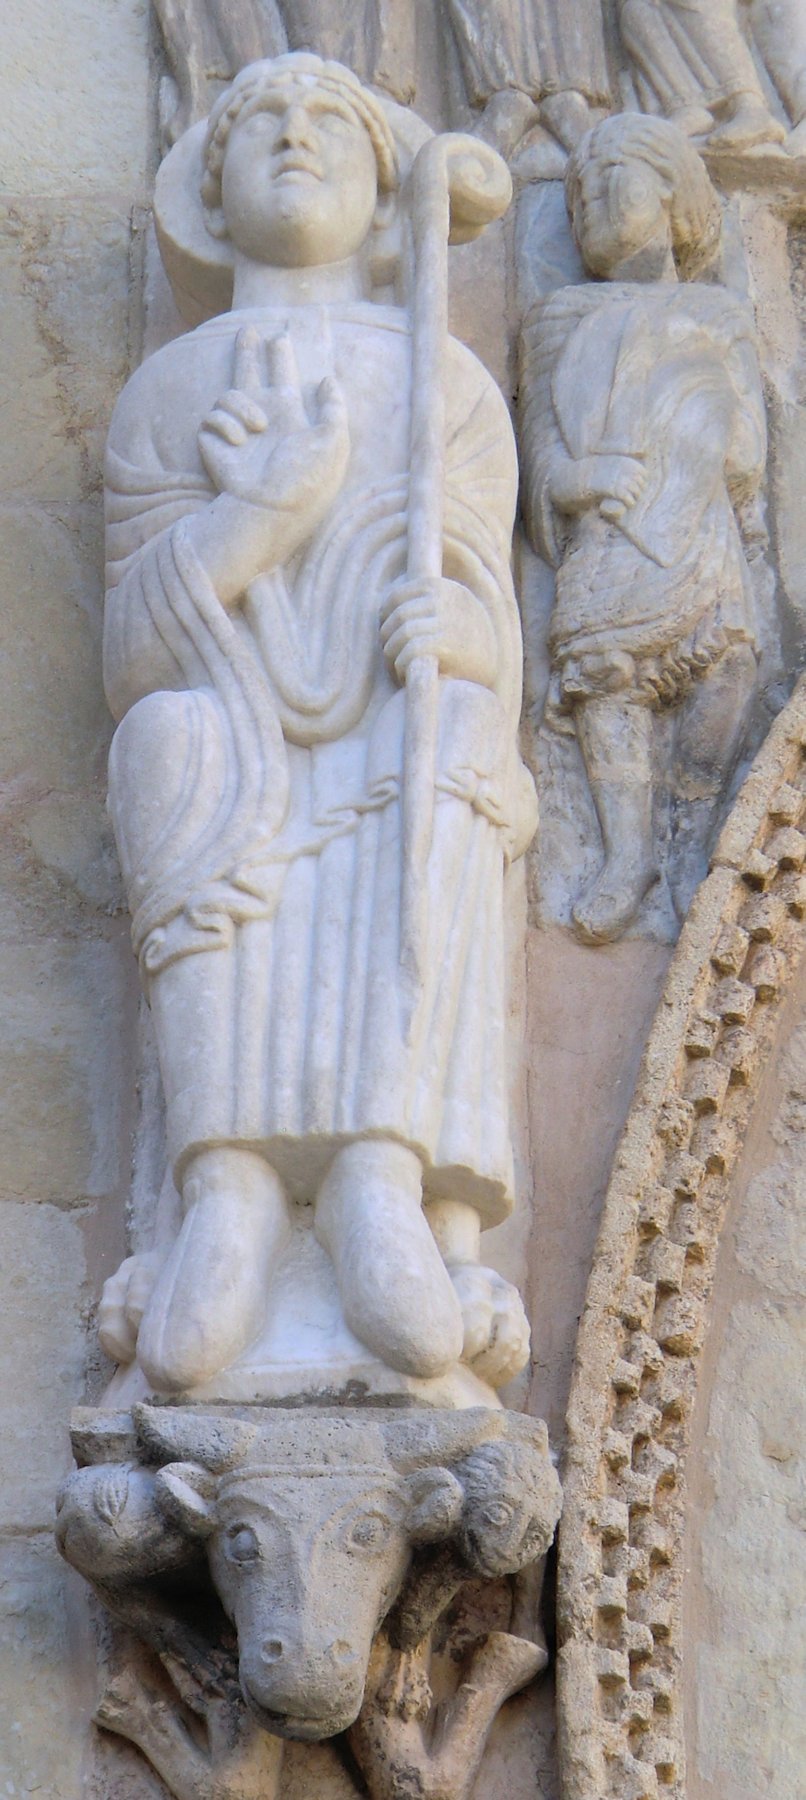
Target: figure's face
620, 220
299, 182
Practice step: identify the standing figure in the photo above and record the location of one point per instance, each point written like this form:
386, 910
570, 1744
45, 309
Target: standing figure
643, 427
530, 59
694, 64
259, 629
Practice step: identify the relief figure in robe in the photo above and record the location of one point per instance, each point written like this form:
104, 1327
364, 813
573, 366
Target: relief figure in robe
259, 628
534, 59
694, 64
643, 429
208, 41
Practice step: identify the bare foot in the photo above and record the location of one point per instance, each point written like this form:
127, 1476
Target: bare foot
496, 1345
395, 1291
209, 1300
506, 119
610, 903
693, 121
124, 1299
567, 116
796, 141
747, 124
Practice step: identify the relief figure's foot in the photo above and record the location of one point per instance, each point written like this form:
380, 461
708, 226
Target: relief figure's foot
496, 1345
609, 904
796, 141
209, 1300
748, 123
692, 120
396, 1293
124, 1299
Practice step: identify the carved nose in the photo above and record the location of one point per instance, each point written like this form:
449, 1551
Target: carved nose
339, 1653
296, 131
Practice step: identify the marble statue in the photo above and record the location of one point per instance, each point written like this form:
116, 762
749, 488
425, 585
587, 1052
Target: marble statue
643, 428
694, 64
262, 618
312, 649
531, 60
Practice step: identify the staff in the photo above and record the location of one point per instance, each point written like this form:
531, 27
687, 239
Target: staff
458, 184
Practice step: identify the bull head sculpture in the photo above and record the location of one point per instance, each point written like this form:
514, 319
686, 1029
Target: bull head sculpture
310, 1522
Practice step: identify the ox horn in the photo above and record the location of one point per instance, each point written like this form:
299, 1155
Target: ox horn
181, 1434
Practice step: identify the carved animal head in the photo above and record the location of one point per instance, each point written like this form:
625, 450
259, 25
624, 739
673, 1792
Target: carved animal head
309, 1521
511, 1503
112, 1528
307, 1562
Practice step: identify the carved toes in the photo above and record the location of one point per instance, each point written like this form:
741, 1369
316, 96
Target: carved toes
496, 1341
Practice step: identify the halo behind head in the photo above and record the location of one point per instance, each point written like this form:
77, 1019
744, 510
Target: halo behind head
198, 259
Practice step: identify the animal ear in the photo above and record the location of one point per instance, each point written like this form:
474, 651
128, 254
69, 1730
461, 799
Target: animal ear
185, 1492
435, 1505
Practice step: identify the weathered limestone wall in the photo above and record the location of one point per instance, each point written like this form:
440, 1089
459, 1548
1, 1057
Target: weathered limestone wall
75, 107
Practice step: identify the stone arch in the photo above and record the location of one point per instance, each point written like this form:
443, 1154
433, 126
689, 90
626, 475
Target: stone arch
621, 1562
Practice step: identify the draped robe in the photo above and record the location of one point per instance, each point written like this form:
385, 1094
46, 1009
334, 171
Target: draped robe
255, 778
687, 52
537, 46
668, 375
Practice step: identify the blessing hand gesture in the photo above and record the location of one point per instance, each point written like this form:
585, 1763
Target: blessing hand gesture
261, 445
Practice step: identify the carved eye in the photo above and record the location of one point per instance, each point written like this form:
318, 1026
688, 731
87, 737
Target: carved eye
369, 1533
498, 1515
334, 121
242, 1545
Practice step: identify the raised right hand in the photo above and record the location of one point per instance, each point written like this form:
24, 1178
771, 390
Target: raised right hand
259, 444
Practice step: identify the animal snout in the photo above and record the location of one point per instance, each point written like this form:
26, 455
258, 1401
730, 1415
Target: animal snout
339, 1654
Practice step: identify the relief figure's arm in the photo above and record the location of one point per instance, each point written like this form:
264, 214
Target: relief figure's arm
276, 470
441, 618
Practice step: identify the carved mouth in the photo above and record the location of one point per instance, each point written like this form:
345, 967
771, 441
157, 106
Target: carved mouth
296, 166
303, 1730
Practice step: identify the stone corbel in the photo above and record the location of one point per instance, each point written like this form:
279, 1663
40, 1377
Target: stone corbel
336, 1547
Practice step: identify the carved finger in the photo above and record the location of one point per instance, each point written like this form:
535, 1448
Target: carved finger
243, 408
281, 363
404, 590
407, 642
409, 612
331, 407
247, 370
226, 427
420, 646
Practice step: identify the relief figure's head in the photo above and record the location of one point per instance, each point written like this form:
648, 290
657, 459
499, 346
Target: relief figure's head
641, 202
296, 156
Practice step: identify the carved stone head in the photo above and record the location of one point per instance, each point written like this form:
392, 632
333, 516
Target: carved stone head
310, 1521
295, 155
641, 202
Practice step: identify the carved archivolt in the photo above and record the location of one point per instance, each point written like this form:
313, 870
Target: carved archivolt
646, 1312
